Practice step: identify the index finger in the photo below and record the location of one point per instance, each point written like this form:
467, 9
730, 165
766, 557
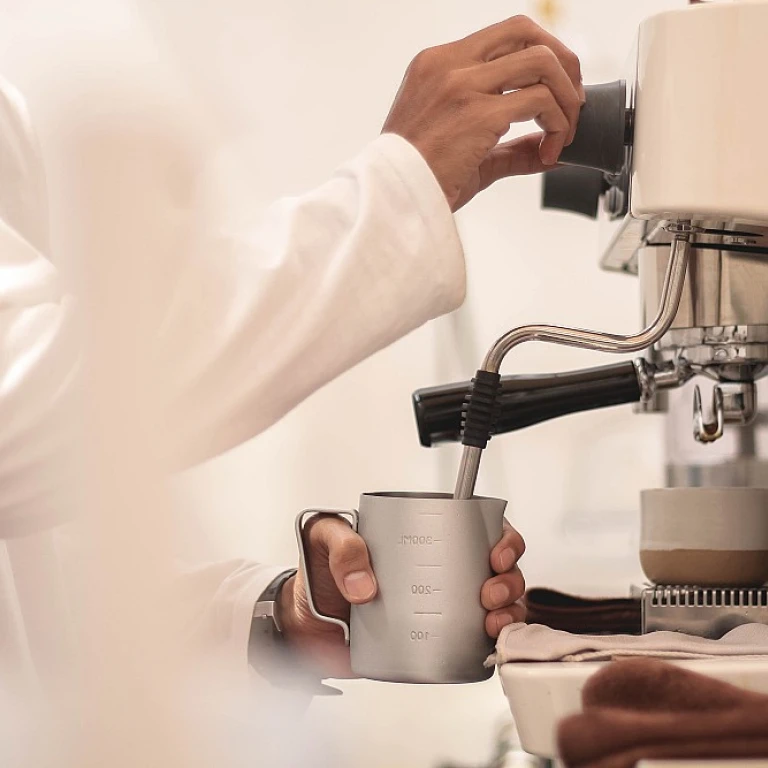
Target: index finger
514, 35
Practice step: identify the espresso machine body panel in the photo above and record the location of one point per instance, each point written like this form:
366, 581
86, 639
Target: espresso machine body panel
698, 114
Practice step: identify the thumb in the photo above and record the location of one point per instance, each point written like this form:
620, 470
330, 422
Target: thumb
519, 157
348, 560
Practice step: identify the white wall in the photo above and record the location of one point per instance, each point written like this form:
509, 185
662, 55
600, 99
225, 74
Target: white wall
301, 85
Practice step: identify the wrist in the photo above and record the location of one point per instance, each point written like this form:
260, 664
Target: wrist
272, 652
285, 610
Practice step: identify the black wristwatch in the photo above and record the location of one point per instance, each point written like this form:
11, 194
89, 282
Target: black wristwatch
268, 652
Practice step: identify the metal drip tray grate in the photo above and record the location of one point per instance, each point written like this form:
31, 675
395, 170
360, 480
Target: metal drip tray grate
706, 612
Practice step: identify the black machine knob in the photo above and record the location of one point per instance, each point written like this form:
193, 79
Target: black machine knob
574, 189
596, 158
604, 129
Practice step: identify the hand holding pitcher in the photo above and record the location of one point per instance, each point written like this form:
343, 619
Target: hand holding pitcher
342, 574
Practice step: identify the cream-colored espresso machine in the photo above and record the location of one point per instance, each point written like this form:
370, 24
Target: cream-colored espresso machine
674, 160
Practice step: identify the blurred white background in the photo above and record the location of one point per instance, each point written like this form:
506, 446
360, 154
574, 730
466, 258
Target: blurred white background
298, 87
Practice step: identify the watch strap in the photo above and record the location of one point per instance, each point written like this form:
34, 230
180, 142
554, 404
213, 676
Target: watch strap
269, 653
266, 605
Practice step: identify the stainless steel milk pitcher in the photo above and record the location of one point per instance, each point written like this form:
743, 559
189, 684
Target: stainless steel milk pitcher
431, 555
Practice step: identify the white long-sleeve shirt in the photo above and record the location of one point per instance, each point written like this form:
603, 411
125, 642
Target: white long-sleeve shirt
257, 314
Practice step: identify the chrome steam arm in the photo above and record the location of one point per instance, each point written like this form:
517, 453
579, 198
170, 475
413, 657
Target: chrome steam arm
481, 409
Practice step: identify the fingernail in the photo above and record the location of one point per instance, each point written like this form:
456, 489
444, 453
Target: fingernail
582, 93
507, 558
550, 157
359, 585
499, 594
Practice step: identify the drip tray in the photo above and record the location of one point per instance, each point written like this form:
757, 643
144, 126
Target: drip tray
703, 611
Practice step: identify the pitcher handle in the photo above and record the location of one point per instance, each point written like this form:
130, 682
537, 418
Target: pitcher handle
353, 516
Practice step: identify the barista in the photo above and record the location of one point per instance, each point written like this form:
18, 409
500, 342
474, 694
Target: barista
362, 260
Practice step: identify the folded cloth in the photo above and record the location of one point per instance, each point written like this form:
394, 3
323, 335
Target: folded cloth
582, 615
643, 709
532, 642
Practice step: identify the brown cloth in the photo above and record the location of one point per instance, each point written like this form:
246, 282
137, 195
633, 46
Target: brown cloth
644, 709
581, 615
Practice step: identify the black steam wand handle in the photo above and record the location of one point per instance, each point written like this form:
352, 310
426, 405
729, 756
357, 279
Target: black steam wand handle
522, 401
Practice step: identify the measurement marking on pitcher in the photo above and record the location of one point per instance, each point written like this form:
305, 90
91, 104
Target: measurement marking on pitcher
427, 613
416, 540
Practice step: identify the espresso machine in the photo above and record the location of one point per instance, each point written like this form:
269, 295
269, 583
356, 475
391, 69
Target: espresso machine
671, 159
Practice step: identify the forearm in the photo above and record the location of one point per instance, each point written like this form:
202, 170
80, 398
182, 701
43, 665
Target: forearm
314, 286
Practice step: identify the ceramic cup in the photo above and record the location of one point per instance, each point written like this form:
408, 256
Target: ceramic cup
705, 536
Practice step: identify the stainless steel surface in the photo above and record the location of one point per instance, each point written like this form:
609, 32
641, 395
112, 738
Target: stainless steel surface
739, 402
721, 329
655, 380
621, 253
740, 458
646, 379
703, 612
700, 302
607, 342
669, 375
632, 235
722, 325
431, 555
708, 431
469, 466
725, 353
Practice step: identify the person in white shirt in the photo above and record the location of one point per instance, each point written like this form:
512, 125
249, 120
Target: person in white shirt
334, 275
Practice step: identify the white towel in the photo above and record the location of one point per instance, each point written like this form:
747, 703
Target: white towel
533, 642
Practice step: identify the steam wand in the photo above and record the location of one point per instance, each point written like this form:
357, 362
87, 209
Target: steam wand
481, 408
